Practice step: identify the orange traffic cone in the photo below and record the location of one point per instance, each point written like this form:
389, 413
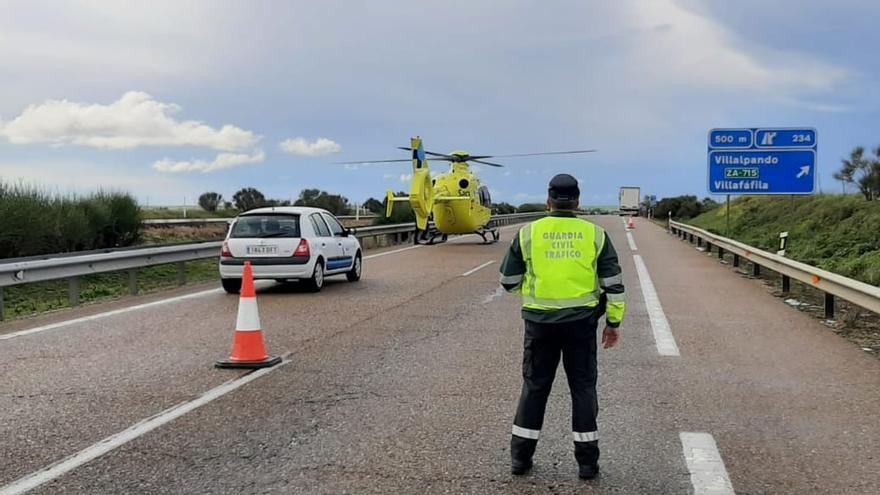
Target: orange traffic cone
631, 225
248, 348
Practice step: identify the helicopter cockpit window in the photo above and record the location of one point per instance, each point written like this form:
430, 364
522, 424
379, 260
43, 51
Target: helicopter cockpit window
485, 198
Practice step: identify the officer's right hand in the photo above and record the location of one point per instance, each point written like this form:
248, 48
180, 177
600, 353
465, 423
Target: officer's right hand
610, 336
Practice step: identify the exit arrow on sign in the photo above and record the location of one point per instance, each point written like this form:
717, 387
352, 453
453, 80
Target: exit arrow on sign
805, 170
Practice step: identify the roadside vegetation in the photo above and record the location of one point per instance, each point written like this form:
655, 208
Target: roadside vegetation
35, 222
834, 232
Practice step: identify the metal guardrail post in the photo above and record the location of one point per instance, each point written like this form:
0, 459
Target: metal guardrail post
720, 253
736, 261
133, 282
181, 273
73, 291
786, 284
829, 306
756, 270
2, 309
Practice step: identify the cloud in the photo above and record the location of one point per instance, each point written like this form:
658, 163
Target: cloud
405, 177
134, 120
223, 161
301, 146
720, 60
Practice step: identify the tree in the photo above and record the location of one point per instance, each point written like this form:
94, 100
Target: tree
210, 201
531, 208
503, 208
683, 207
334, 203
649, 203
248, 198
375, 206
402, 212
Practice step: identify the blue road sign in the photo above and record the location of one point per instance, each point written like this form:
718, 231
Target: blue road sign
762, 161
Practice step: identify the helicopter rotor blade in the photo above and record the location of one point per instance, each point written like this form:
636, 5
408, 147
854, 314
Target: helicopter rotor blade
430, 153
486, 163
544, 153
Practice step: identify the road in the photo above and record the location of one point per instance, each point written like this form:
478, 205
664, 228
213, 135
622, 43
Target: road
407, 382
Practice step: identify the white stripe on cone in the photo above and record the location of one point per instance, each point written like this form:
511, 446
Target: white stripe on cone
248, 315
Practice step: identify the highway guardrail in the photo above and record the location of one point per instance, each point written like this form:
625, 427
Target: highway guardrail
72, 266
831, 284
202, 221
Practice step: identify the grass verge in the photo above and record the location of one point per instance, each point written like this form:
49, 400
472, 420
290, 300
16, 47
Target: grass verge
32, 299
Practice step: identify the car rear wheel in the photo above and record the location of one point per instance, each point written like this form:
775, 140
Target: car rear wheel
354, 274
231, 285
316, 282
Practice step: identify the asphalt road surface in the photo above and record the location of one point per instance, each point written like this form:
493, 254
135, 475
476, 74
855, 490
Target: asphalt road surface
406, 382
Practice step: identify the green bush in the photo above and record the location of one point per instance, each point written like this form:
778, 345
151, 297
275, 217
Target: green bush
34, 222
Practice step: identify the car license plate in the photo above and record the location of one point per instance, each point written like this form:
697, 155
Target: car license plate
262, 250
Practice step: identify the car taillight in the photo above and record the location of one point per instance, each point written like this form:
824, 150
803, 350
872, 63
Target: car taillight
225, 252
302, 249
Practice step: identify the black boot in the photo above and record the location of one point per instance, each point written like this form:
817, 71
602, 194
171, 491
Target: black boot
521, 452
587, 455
588, 471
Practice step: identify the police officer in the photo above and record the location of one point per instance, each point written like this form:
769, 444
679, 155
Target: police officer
566, 271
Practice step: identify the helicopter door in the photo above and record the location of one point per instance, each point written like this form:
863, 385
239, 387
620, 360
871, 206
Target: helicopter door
485, 198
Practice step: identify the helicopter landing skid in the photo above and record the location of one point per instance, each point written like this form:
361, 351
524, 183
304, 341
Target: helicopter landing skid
430, 237
490, 236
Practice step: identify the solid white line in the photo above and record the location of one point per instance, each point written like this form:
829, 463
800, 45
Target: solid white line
112, 442
632, 242
666, 345
386, 253
62, 324
708, 474
475, 270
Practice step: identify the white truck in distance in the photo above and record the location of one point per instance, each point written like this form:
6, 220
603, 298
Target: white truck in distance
629, 200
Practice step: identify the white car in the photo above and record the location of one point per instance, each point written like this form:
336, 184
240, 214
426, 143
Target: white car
289, 243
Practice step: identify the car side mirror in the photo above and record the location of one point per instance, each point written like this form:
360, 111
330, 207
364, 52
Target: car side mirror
349, 232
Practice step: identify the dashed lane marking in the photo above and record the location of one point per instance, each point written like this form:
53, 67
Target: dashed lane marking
632, 242
499, 291
708, 474
666, 345
475, 270
112, 442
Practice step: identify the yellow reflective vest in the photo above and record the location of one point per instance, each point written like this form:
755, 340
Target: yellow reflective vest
560, 254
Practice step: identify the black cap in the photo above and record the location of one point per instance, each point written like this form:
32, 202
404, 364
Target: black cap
564, 187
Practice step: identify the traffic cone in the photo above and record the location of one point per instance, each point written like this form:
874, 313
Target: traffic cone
631, 225
248, 348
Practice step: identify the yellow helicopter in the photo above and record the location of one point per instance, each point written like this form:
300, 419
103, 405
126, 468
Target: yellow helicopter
455, 200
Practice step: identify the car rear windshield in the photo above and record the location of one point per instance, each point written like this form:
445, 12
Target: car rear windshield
266, 226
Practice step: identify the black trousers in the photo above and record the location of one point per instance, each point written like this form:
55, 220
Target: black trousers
544, 343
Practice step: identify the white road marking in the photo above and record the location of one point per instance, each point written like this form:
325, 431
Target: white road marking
495, 295
62, 324
475, 270
708, 474
666, 345
112, 442
632, 242
386, 253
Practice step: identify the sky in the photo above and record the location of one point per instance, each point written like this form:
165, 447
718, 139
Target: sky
167, 100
